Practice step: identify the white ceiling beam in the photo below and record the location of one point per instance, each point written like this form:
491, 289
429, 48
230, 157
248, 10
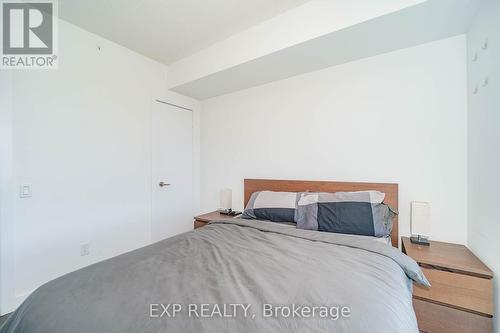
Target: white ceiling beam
237, 67
310, 20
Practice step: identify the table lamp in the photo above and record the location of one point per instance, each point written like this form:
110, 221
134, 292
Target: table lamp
226, 200
420, 223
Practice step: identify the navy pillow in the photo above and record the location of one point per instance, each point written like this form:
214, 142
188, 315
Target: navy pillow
357, 213
271, 206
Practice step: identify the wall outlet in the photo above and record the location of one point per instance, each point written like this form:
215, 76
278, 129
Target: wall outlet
25, 190
84, 249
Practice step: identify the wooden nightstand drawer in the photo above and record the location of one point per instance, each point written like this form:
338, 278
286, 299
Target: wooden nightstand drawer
460, 291
437, 318
460, 298
199, 224
203, 220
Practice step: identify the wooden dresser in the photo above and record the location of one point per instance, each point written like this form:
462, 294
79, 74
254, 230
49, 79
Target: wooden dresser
461, 296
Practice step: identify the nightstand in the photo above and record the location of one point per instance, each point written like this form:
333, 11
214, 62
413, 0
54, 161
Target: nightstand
202, 220
461, 296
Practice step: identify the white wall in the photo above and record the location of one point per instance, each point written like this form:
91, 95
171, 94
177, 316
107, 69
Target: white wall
6, 189
484, 141
82, 137
398, 117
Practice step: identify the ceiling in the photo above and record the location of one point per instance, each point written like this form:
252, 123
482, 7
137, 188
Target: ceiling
168, 30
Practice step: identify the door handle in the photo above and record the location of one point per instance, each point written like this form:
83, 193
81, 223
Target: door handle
163, 184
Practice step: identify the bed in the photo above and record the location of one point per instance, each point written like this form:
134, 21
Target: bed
237, 275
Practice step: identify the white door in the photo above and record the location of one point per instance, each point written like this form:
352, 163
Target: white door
172, 170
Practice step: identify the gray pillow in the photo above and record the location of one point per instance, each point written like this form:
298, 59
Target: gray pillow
272, 206
356, 213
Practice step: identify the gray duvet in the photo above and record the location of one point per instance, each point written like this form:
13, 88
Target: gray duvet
233, 276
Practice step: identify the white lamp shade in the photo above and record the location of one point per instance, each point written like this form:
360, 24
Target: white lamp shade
420, 218
226, 199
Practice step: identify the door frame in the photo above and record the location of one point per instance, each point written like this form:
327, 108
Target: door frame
187, 106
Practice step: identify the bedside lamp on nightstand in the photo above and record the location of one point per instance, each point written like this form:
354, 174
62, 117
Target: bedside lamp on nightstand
420, 223
226, 201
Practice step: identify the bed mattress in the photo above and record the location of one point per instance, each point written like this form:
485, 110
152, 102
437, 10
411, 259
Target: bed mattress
233, 275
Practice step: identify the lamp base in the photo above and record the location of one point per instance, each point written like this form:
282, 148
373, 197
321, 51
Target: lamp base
420, 240
232, 213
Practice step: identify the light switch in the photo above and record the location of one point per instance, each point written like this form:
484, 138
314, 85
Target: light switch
25, 190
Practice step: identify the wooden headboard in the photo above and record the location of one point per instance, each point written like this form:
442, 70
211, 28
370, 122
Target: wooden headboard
390, 190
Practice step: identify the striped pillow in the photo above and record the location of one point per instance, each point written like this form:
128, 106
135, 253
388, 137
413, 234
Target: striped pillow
357, 213
272, 206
